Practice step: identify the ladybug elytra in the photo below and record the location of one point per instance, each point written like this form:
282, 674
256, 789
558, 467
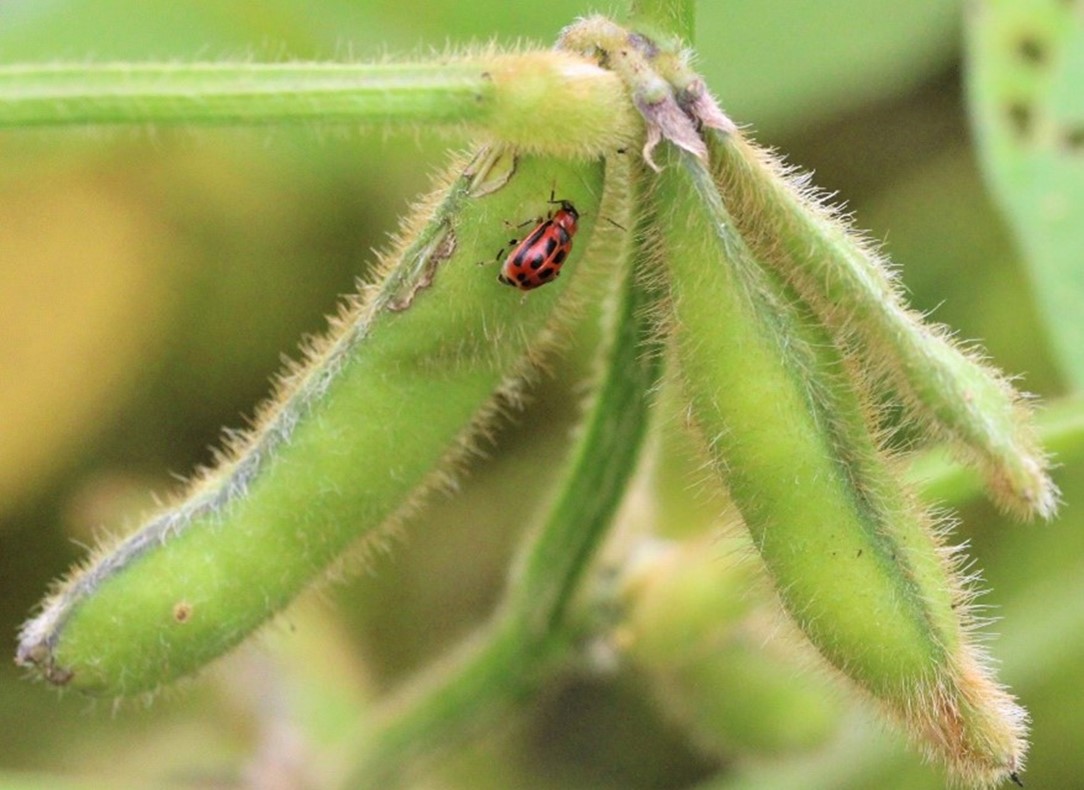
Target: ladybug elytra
537, 259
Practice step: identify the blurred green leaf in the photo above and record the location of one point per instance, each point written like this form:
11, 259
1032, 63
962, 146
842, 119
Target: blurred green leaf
1026, 61
784, 65
103, 30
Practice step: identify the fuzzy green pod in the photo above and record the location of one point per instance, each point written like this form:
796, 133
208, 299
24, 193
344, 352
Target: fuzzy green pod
851, 289
853, 558
396, 394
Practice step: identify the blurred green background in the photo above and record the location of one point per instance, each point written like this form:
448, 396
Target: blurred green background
151, 279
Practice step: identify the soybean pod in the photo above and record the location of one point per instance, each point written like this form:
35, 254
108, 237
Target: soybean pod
854, 559
381, 412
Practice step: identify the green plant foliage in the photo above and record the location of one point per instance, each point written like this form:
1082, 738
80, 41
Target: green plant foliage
575, 591
1026, 68
838, 54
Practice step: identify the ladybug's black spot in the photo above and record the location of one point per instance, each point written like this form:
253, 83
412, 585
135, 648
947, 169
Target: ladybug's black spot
537, 261
548, 273
560, 256
551, 245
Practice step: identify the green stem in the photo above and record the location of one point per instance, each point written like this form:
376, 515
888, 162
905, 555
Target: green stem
226, 93
509, 96
443, 708
548, 571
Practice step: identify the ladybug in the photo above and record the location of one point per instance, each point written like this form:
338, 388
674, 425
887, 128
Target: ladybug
537, 259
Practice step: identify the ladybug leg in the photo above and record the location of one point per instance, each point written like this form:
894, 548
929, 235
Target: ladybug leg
523, 224
499, 257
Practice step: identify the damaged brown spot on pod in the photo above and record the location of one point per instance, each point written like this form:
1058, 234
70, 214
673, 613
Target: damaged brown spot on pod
423, 270
644, 45
490, 169
182, 612
40, 655
58, 676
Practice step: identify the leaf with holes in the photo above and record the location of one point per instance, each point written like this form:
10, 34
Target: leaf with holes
1026, 62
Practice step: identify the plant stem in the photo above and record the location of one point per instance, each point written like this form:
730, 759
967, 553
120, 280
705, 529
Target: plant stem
507, 97
528, 635
548, 571
224, 93
442, 708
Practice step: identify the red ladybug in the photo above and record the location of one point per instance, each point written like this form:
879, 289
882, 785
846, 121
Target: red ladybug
538, 258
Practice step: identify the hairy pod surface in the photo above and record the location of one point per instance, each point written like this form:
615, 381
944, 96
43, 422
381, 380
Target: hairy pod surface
377, 415
849, 286
853, 558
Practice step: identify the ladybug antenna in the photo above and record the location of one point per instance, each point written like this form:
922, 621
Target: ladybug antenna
566, 205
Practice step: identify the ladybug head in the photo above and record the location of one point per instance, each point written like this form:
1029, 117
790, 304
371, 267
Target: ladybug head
566, 216
568, 208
